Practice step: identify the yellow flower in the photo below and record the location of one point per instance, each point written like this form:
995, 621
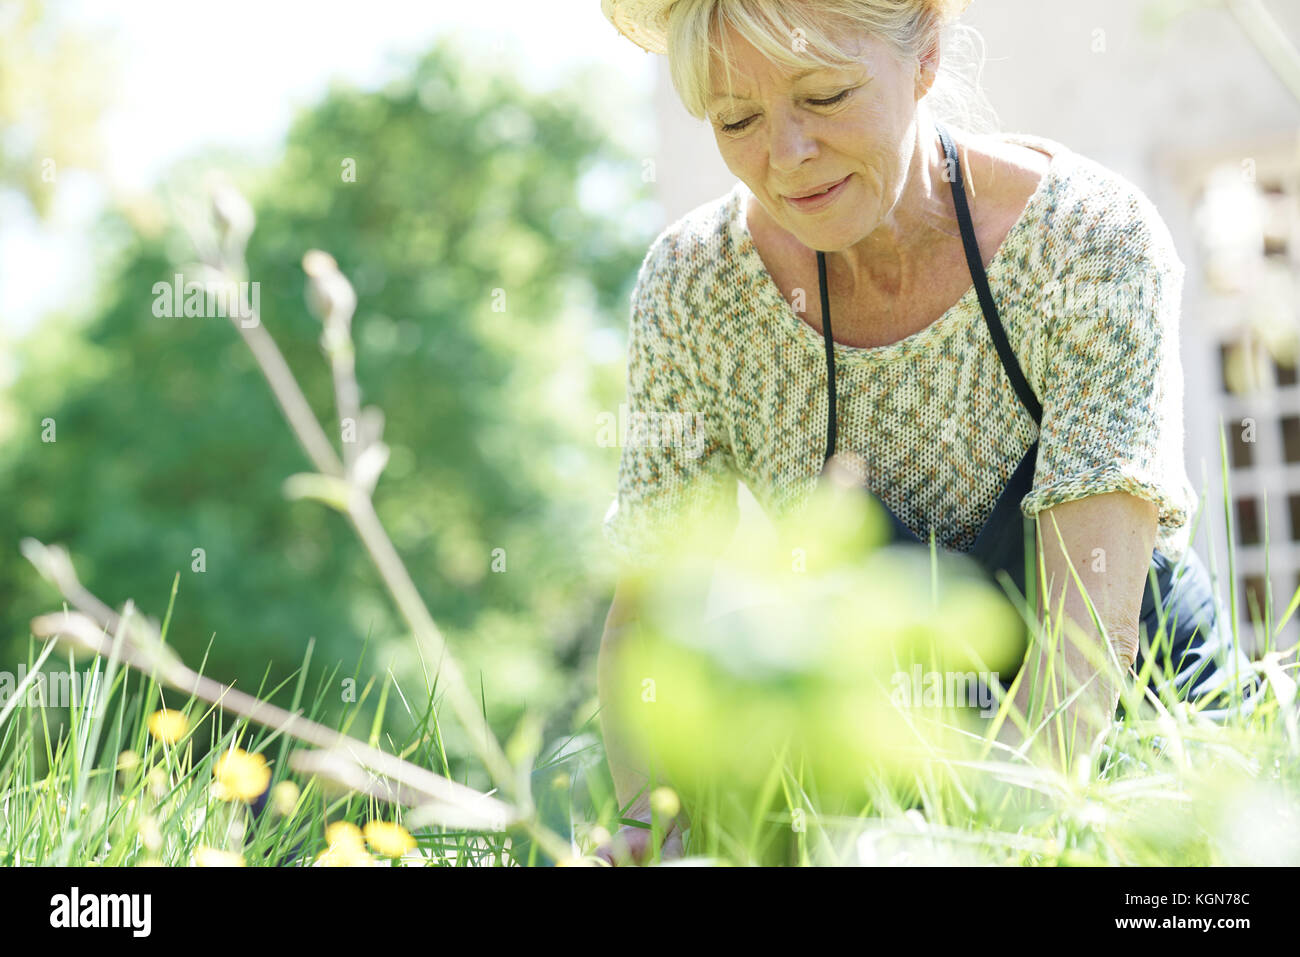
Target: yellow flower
343, 832
158, 783
205, 856
389, 839
664, 801
150, 836
127, 762
240, 776
344, 855
284, 798
346, 847
168, 726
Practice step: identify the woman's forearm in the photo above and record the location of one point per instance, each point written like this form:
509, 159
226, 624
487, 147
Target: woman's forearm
635, 772
1080, 661
627, 765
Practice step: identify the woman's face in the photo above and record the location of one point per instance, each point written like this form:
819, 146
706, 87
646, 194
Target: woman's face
786, 136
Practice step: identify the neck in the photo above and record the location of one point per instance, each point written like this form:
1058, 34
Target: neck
892, 258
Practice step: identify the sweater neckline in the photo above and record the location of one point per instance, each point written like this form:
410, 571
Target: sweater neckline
922, 338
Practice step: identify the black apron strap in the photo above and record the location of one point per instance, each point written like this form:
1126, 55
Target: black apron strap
830, 358
976, 264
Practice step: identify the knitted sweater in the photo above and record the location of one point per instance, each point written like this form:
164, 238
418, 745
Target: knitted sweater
726, 382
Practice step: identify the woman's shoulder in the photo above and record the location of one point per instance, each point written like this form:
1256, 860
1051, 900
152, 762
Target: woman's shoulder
696, 277
700, 246
1096, 213
1100, 251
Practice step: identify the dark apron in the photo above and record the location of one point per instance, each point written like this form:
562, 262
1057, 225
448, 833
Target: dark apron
1199, 639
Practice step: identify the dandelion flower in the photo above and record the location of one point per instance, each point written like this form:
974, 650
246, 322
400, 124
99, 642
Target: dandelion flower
389, 839
158, 783
344, 833
664, 801
284, 798
346, 847
205, 856
344, 855
240, 776
128, 760
168, 726
150, 836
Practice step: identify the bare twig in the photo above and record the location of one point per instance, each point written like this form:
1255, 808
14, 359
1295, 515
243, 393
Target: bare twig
330, 296
433, 798
347, 485
82, 631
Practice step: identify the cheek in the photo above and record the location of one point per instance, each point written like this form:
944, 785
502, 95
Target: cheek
730, 150
869, 142
744, 159
867, 134
882, 140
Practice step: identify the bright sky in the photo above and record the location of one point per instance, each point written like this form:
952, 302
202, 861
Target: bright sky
247, 65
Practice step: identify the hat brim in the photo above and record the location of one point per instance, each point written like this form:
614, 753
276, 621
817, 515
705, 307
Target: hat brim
644, 22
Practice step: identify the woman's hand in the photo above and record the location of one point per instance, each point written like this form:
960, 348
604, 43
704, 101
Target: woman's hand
632, 845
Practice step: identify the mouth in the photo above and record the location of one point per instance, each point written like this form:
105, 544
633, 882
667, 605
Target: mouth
819, 198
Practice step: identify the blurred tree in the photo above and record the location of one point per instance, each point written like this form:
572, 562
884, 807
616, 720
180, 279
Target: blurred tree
52, 94
451, 201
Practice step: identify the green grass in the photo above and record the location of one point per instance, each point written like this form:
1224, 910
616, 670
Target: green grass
90, 785
778, 739
1167, 788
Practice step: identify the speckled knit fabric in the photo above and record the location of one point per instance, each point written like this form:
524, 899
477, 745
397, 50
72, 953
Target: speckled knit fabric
727, 382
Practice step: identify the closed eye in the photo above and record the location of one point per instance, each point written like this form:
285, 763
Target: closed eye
833, 100
740, 125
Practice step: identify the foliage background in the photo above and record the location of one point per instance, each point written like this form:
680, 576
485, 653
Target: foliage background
169, 440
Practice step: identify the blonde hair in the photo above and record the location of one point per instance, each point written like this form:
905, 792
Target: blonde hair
796, 35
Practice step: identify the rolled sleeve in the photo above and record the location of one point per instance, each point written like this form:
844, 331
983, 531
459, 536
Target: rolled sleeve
1113, 403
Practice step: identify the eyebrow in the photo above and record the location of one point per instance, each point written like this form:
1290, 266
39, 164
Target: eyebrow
795, 79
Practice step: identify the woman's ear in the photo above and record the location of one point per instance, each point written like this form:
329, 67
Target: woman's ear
927, 67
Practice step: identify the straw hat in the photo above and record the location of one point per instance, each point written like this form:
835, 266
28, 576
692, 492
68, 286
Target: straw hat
645, 22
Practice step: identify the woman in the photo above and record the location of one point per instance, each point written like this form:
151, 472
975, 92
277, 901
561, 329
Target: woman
1004, 342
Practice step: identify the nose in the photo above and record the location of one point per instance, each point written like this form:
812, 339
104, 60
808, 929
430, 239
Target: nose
790, 144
